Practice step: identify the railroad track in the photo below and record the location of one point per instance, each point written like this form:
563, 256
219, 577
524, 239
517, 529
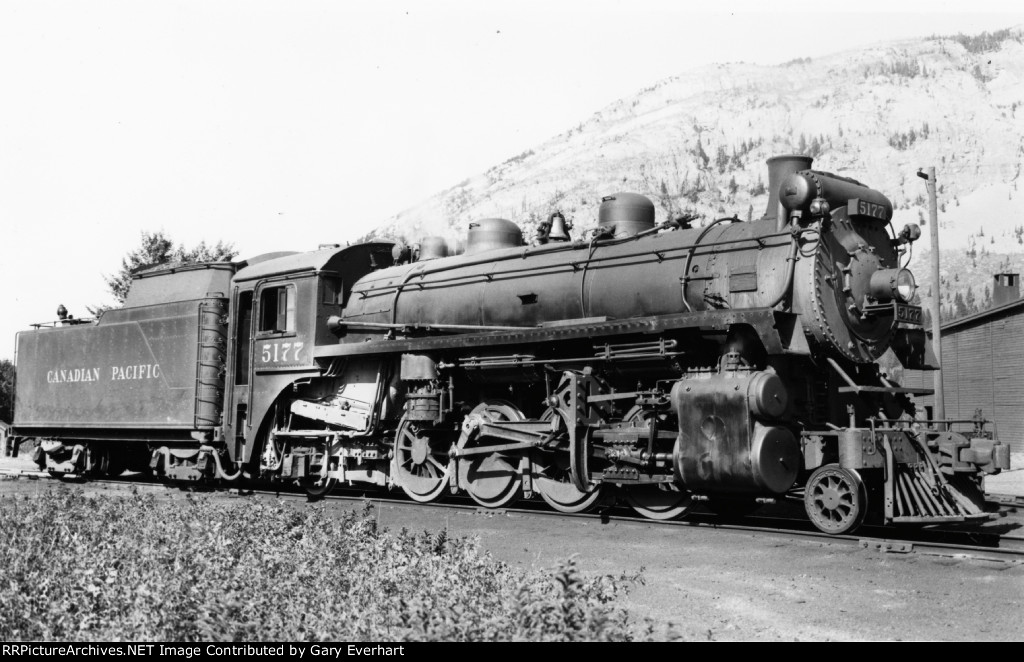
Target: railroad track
974, 543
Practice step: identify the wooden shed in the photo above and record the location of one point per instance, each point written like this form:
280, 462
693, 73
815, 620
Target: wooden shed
983, 365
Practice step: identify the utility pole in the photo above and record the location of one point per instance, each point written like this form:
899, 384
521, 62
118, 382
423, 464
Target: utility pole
933, 221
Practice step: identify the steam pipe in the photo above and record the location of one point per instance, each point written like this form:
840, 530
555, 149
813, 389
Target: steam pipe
335, 323
795, 246
216, 461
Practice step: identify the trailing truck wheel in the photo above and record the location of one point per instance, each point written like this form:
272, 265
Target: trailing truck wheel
835, 499
319, 484
317, 489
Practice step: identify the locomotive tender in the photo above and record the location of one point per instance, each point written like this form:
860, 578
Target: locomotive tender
661, 363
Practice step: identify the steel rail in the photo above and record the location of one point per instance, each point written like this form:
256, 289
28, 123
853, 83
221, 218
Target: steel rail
1001, 548
886, 545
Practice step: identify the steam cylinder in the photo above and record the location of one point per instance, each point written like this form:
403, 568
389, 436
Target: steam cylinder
727, 441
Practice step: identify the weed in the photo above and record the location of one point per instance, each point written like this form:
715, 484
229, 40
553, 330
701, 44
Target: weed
137, 568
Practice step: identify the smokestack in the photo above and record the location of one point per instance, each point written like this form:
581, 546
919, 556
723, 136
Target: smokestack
780, 167
1007, 289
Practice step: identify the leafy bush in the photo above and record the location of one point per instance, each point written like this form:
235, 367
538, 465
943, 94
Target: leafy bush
199, 568
7, 379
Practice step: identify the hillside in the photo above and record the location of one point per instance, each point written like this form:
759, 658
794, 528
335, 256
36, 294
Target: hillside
698, 141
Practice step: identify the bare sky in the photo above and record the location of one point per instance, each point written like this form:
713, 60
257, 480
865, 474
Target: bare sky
282, 125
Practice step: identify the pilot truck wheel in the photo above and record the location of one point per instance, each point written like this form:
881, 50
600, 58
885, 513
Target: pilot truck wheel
835, 499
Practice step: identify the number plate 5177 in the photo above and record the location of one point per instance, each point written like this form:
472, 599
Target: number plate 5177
908, 314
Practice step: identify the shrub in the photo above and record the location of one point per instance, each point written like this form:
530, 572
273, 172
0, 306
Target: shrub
202, 568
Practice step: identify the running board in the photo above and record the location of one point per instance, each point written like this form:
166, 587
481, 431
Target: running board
854, 387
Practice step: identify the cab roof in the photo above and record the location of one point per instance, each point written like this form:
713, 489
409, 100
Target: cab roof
330, 259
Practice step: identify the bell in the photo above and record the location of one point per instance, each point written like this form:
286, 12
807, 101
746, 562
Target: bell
559, 228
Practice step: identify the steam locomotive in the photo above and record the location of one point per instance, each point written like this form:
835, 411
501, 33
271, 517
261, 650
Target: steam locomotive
663, 364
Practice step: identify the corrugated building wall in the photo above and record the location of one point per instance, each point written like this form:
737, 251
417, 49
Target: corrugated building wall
983, 368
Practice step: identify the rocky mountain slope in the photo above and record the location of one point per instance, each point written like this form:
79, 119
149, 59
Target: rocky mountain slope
698, 142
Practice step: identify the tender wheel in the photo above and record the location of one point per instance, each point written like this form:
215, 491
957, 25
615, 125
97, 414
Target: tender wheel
421, 466
39, 457
97, 461
115, 467
493, 479
660, 502
553, 480
114, 464
835, 499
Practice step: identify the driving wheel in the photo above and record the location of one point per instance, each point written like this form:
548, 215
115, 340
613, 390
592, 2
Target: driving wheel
492, 479
421, 466
655, 501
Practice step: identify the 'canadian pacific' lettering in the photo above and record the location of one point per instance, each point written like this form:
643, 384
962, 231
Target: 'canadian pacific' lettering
72, 375
117, 373
140, 371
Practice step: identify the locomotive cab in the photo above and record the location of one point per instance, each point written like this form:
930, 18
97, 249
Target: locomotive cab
281, 310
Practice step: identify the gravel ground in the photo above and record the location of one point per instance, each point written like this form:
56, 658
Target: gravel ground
1008, 482
725, 585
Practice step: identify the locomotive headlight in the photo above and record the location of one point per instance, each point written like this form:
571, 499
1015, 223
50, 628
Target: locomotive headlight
819, 207
910, 233
905, 285
898, 284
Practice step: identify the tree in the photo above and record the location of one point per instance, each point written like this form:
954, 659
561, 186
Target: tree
959, 306
158, 249
721, 159
219, 252
6, 391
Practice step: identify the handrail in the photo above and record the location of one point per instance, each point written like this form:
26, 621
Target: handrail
654, 254
693, 249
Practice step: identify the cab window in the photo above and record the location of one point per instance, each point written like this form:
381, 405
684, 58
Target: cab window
277, 309
331, 290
